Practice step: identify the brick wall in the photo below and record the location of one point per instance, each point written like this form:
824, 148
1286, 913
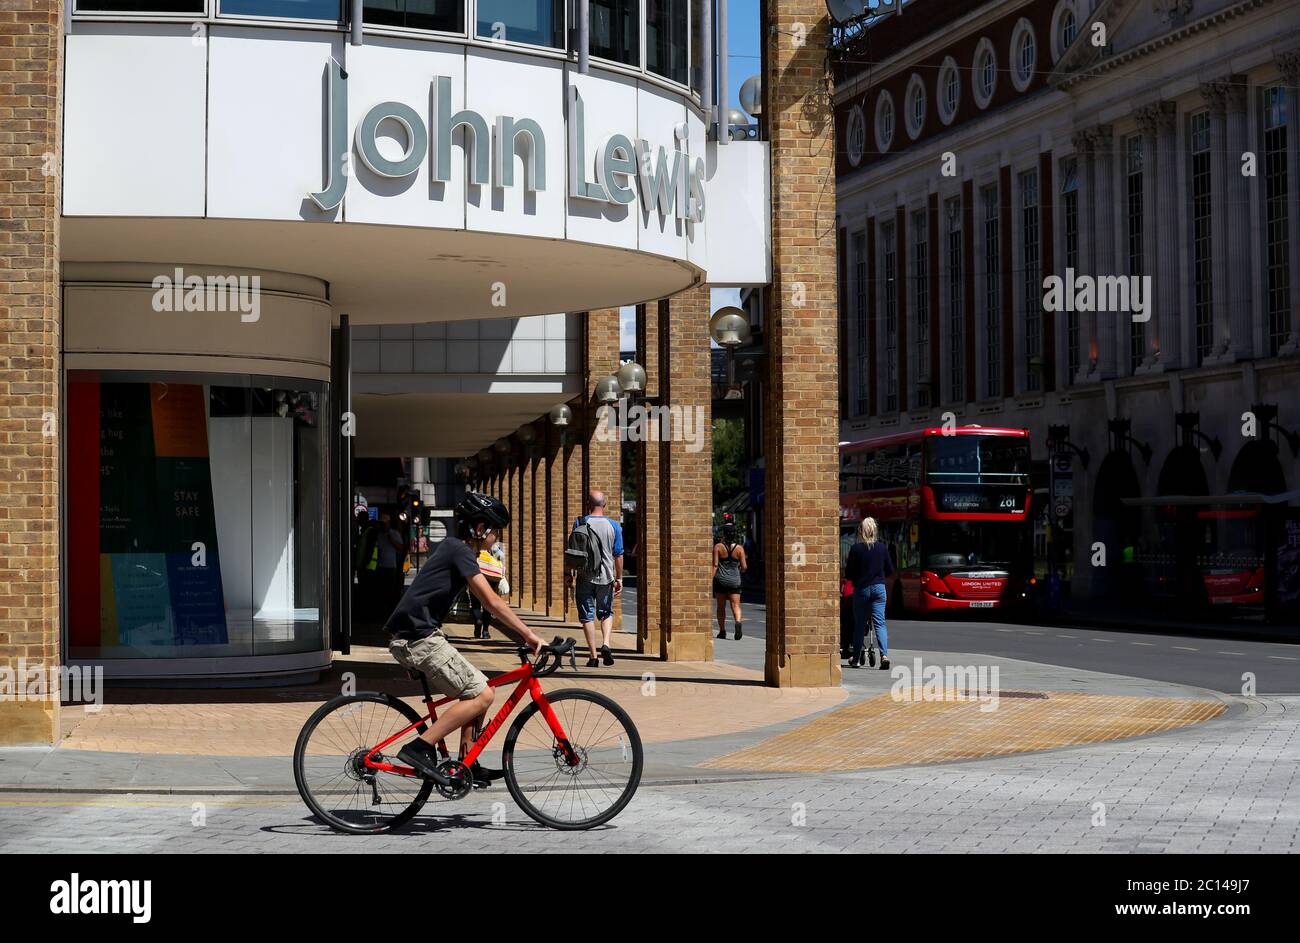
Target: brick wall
650, 577
801, 418
686, 478
603, 468
31, 42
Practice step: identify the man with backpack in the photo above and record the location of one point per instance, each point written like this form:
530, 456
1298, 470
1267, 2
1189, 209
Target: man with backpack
594, 559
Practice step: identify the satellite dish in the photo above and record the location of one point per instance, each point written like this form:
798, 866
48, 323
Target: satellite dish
842, 11
751, 95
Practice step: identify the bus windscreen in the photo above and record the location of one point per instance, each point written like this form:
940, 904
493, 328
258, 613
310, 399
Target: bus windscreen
976, 459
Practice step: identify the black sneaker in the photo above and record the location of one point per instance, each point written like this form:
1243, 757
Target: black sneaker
593, 662
884, 662
483, 776
722, 633
606, 655
425, 759
738, 631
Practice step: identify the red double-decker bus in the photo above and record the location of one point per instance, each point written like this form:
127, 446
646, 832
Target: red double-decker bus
953, 508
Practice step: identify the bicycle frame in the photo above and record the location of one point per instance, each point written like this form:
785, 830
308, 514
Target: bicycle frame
528, 683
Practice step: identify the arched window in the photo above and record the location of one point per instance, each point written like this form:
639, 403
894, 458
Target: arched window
915, 106
949, 95
1024, 55
984, 73
856, 135
884, 121
1065, 28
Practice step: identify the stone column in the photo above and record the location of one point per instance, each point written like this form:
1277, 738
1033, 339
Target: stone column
1242, 312
686, 476
1288, 64
650, 558
801, 428
1087, 252
31, 106
1160, 226
1103, 230
1216, 95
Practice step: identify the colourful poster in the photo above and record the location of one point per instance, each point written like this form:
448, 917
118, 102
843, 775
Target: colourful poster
180, 427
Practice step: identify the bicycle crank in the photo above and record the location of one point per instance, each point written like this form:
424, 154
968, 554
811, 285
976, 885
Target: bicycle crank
462, 780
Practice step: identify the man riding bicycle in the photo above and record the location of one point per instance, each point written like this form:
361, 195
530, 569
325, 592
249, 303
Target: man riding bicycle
416, 627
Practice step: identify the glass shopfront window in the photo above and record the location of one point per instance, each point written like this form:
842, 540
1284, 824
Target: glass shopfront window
196, 515
666, 38
142, 6
292, 9
444, 16
614, 33
539, 22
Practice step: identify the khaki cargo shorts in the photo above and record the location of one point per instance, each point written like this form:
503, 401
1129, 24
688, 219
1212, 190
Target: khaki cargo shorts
448, 671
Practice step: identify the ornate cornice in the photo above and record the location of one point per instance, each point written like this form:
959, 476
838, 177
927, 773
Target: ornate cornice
1076, 68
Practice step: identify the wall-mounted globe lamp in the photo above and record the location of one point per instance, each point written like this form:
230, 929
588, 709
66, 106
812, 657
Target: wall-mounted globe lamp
561, 416
608, 391
729, 328
631, 377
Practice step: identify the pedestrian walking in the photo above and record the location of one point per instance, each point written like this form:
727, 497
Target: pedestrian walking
868, 567
728, 563
390, 578
596, 548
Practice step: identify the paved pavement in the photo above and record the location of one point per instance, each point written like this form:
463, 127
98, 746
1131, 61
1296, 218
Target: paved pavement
1231, 785
1176, 656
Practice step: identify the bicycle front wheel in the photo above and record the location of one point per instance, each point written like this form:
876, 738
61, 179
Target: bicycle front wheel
334, 781
603, 781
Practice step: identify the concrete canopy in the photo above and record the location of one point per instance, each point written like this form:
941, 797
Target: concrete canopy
442, 425
395, 274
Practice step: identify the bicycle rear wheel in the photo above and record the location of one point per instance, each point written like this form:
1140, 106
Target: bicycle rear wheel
605, 777
332, 779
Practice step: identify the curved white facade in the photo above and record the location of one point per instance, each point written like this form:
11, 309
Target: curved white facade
250, 147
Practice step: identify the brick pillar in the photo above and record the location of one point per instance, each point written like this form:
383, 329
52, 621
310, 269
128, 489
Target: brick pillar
603, 469
649, 576
537, 507
31, 44
514, 473
800, 420
686, 475
554, 520
572, 458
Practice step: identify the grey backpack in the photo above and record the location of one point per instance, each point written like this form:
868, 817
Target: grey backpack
582, 552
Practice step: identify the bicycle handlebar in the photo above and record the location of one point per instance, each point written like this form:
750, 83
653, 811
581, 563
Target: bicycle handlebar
549, 656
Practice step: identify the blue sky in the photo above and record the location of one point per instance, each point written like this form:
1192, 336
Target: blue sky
742, 24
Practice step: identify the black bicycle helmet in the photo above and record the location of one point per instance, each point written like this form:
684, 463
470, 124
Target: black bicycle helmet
476, 507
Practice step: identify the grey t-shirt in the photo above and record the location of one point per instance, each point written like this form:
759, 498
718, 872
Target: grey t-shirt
609, 535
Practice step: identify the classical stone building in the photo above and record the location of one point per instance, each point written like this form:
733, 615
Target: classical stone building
983, 147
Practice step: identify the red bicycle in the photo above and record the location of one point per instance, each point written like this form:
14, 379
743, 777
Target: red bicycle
571, 760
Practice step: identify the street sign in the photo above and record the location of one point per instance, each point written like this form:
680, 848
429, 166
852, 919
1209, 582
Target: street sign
1063, 461
1063, 507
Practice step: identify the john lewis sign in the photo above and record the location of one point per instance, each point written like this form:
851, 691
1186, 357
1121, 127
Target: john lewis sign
670, 181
